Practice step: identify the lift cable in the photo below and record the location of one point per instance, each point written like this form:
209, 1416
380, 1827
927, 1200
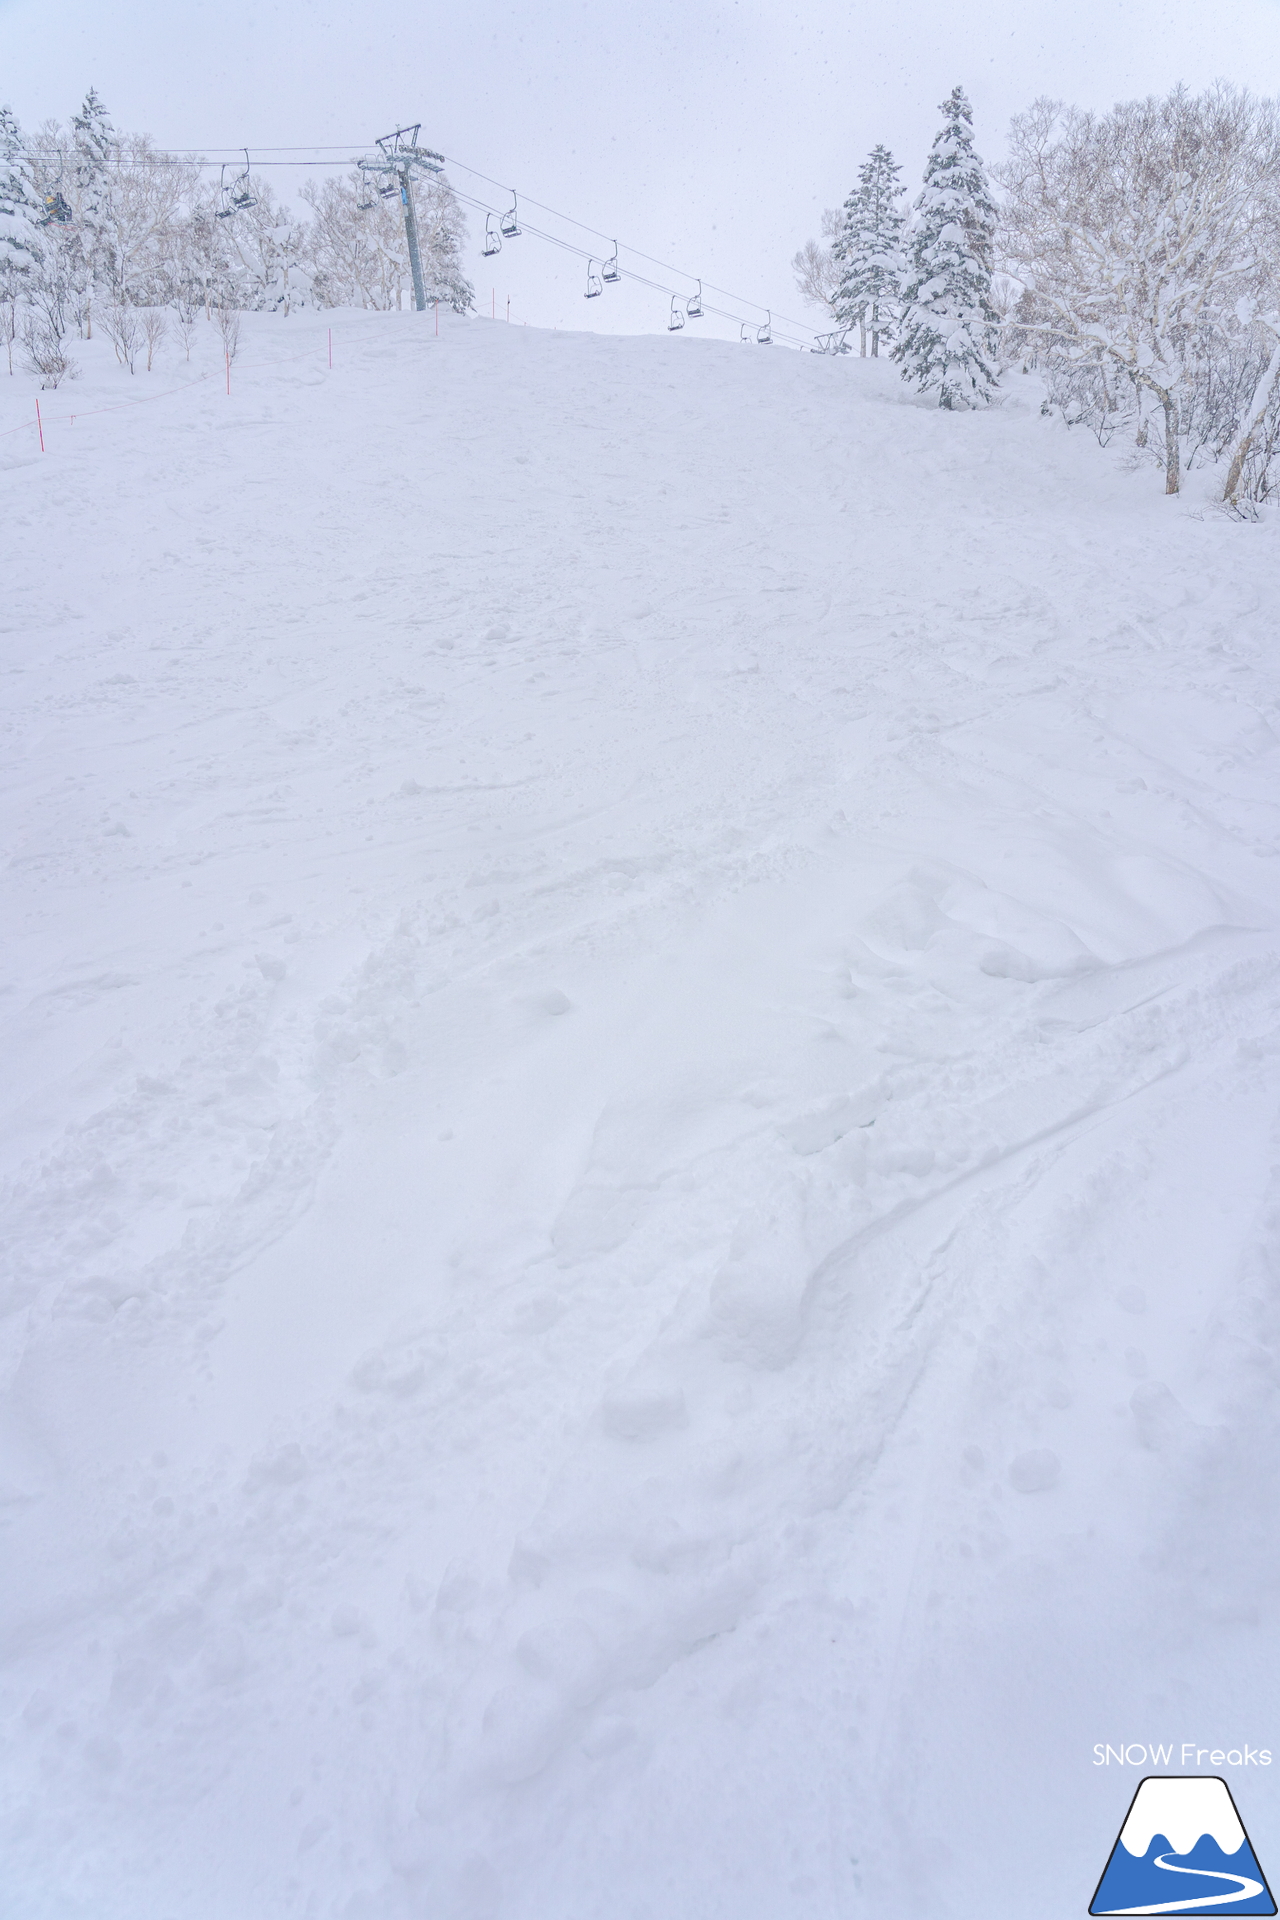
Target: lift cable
629, 273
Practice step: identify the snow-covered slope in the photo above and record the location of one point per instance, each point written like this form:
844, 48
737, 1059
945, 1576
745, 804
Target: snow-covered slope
641, 1012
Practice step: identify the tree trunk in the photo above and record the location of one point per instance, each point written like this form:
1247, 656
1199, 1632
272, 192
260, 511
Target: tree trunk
862, 330
1252, 421
1172, 453
875, 330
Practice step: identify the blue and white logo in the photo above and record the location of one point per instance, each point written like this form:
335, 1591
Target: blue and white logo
1183, 1849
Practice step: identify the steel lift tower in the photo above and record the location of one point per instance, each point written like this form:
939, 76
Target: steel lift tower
400, 157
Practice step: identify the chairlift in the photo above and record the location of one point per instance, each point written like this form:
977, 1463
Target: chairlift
611, 272
746, 335
693, 305
675, 320
239, 196
595, 285
510, 226
764, 334
492, 238
57, 212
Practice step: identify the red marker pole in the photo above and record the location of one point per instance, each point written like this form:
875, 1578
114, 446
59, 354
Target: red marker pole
331, 346
40, 426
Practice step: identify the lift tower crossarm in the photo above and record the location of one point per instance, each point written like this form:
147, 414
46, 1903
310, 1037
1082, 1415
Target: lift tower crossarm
400, 155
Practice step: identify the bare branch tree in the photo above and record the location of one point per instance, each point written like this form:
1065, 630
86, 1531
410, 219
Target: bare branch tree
187, 302
816, 270
155, 325
1136, 235
123, 328
45, 352
228, 324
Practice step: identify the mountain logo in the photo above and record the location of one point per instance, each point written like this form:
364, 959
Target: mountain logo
1183, 1850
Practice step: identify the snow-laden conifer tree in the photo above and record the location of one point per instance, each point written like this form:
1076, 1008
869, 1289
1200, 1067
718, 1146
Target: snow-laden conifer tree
946, 336
20, 205
92, 137
868, 253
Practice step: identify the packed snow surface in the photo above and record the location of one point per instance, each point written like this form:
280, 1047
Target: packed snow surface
641, 1023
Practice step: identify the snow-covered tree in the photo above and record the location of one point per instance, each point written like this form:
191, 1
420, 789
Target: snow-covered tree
21, 207
947, 330
265, 250
442, 232
815, 268
92, 136
151, 193
202, 257
1147, 242
359, 253
868, 251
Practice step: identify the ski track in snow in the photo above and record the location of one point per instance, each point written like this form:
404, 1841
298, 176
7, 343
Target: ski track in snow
641, 1013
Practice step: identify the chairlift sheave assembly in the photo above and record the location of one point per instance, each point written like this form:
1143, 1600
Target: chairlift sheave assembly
610, 271
398, 154
400, 149
595, 285
237, 195
509, 227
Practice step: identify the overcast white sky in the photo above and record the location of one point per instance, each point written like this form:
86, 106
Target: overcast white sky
708, 132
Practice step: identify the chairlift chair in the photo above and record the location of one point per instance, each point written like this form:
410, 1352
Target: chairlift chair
675, 320
510, 224
693, 305
492, 238
611, 272
746, 335
57, 212
595, 286
239, 196
764, 334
